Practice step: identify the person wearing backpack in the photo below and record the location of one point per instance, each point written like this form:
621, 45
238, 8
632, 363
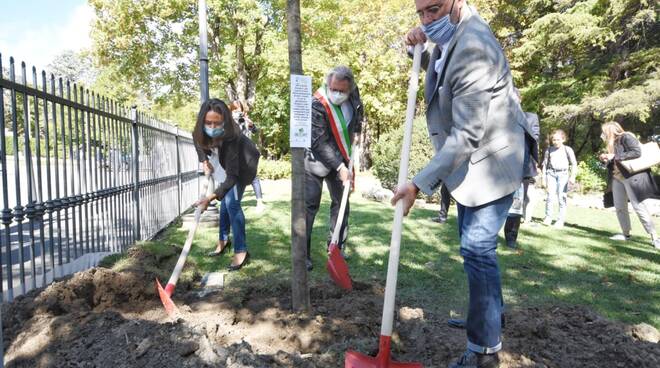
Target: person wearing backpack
221, 146
625, 186
559, 171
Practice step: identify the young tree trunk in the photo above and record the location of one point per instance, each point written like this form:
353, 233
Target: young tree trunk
299, 283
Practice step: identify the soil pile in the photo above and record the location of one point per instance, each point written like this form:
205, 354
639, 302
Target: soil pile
103, 318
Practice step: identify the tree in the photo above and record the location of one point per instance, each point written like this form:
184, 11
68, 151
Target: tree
152, 45
76, 67
581, 63
299, 285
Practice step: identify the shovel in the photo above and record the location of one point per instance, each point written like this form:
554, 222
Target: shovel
383, 359
166, 293
337, 267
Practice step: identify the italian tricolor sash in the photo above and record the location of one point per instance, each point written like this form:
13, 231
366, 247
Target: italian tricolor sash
337, 123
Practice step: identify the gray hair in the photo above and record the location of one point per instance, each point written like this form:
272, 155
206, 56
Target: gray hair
341, 73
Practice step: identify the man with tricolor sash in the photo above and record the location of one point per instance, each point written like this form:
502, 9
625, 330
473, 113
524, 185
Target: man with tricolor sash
336, 121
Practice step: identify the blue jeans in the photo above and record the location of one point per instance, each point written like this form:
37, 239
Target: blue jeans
557, 182
478, 228
231, 213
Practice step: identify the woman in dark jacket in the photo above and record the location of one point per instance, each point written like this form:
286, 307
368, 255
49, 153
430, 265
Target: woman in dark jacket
216, 135
626, 186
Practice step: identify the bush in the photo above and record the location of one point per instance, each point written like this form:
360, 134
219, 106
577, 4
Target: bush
274, 169
591, 177
387, 154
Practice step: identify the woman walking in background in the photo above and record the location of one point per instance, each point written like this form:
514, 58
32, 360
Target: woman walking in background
221, 146
559, 170
239, 112
625, 186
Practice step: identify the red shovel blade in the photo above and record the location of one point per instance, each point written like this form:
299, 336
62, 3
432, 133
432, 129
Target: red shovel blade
338, 268
165, 297
382, 360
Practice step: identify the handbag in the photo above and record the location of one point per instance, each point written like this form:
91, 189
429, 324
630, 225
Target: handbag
649, 158
314, 166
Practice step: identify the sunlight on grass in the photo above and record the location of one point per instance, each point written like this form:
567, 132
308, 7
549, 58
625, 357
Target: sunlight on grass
575, 265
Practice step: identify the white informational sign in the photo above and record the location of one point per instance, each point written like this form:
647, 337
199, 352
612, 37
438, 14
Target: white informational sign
300, 130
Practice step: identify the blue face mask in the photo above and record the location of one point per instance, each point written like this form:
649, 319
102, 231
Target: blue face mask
441, 30
214, 132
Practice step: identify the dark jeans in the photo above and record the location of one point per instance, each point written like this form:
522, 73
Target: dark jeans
231, 214
478, 228
313, 190
445, 201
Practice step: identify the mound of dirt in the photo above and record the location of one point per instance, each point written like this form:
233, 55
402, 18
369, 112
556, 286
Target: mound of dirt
102, 318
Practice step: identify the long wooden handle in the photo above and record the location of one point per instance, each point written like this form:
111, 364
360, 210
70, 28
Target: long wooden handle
395, 243
344, 200
189, 239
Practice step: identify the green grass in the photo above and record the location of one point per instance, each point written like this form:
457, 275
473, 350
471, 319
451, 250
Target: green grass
576, 266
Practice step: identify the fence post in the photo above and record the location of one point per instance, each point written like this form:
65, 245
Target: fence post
179, 182
136, 174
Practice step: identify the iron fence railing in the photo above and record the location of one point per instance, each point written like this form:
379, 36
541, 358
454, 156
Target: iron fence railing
82, 177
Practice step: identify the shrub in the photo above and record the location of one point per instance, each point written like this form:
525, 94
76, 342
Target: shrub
387, 154
591, 177
274, 169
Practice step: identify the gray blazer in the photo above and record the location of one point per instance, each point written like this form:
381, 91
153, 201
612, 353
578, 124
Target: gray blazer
475, 123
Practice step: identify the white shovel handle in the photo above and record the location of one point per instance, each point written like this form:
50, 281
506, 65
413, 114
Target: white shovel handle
344, 200
395, 243
189, 239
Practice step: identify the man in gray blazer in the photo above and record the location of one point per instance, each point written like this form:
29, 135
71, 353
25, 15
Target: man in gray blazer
477, 128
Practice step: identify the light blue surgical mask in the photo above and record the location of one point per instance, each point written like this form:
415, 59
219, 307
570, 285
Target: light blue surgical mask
214, 132
441, 30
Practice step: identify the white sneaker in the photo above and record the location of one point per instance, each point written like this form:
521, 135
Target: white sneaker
559, 225
260, 207
620, 237
547, 221
656, 243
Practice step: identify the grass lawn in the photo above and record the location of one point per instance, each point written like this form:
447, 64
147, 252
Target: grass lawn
577, 265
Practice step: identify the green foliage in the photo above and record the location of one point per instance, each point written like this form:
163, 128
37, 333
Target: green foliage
578, 63
581, 63
387, 154
274, 169
591, 176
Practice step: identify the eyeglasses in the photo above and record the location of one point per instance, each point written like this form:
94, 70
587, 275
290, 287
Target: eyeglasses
431, 10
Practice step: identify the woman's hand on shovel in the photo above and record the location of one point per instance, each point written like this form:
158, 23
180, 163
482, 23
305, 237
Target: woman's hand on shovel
407, 194
203, 202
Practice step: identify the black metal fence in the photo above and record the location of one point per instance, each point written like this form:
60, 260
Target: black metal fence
82, 177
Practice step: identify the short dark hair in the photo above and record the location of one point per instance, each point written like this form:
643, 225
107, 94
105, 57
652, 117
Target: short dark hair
231, 129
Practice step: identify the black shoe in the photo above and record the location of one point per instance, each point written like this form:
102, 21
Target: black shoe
439, 219
460, 323
512, 244
215, 254
308, 263
239, 266
473, 360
